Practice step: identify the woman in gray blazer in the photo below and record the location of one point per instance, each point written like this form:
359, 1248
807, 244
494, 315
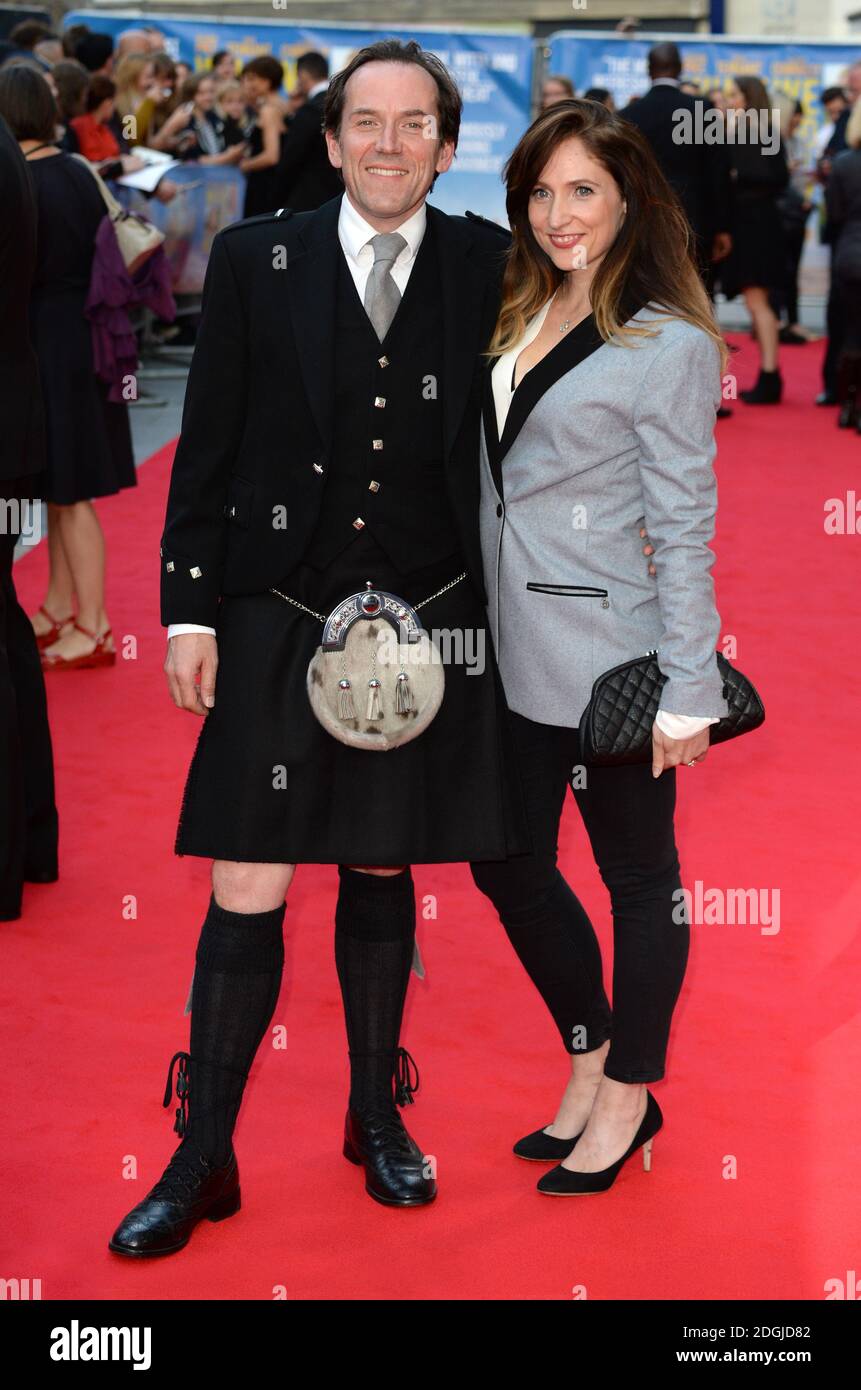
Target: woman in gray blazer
598, 421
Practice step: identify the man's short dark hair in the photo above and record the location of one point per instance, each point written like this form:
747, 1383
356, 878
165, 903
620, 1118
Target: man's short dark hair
94, 50
268, 68
72, 36
832, 94
99, 89
315, 65
30, 32
449, 100
27, 102
665, 60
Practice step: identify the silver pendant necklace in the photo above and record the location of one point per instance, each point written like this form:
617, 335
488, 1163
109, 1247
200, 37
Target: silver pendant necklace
565, 325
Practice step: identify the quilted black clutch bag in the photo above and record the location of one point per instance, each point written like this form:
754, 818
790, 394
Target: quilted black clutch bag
616, 725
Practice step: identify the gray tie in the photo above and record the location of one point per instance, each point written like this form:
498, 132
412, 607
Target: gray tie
382, 295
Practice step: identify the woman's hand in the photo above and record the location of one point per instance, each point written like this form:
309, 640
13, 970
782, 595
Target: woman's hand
675, 752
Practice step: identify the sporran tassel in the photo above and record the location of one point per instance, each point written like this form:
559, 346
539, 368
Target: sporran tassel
346, 708
403, 694
374, 711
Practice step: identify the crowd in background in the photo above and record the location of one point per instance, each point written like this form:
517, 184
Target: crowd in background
86, 102
749, 203
83, 105
114, 97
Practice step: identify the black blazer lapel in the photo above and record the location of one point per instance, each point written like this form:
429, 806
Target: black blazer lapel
312, 277
567, 354
463, 291
491, 433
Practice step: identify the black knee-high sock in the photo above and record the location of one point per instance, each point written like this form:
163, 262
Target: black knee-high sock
375, 925
237, 978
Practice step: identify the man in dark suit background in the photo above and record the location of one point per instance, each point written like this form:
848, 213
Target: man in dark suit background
307, 179
699, 173
28, 815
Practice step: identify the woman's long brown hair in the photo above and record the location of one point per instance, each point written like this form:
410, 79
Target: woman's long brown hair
650, 262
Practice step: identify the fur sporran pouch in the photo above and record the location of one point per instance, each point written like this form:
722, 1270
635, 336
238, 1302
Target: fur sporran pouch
377, 679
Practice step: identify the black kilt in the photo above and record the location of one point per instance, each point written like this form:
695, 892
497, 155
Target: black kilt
453, 794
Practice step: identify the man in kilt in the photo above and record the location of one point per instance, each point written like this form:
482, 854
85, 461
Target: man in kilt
329, 441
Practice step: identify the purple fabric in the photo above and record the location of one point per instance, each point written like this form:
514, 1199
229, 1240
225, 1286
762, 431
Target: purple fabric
113, 295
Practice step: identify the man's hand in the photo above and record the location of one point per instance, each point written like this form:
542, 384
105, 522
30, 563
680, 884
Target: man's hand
673, 752
192, 656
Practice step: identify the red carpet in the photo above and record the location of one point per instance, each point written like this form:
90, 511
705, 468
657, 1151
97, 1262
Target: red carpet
766, 1048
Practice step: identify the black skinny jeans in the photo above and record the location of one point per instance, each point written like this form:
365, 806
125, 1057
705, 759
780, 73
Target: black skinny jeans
628, 816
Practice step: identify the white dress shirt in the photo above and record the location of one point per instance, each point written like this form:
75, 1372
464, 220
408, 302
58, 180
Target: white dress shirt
355, 234
502, 382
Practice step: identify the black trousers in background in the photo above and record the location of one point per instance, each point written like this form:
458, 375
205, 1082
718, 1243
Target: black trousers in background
28, 815
835, 327
628, 815
849, 294
786, 298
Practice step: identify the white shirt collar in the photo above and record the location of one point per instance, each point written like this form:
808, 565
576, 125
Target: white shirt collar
667, 82
318, 88
354, 232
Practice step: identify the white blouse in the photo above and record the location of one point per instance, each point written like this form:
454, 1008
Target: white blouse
502, 377
502, 383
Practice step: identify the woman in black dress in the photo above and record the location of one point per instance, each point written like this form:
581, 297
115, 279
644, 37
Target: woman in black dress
755, 266
262, 79
89, 449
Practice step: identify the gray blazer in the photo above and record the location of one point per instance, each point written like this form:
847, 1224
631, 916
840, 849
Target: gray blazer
600, 440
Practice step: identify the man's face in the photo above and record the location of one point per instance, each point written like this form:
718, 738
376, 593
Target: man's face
835, 107
388, 148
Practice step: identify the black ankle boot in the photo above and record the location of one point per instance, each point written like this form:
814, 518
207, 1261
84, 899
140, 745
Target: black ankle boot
397, 1173
192, 1186
767, 391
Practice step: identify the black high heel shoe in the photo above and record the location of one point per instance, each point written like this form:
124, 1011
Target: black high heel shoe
539, 1147
562, 1182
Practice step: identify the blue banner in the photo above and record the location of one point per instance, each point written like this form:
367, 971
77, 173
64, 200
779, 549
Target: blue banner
801, 71
493, 71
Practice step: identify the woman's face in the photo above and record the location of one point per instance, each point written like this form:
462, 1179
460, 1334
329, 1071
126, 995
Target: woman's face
735, 98
145, 78
233, 105
253, 86
226, 68
204, 97
552, 92
575, 208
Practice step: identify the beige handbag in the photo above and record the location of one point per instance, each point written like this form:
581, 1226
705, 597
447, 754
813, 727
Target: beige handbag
136, 237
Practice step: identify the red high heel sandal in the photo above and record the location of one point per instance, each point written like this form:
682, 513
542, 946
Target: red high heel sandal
47, 639
100, 656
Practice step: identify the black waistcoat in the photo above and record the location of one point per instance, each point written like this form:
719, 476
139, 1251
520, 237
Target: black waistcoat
386, 464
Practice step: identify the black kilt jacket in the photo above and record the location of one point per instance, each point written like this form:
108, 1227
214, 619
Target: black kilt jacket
257, 423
